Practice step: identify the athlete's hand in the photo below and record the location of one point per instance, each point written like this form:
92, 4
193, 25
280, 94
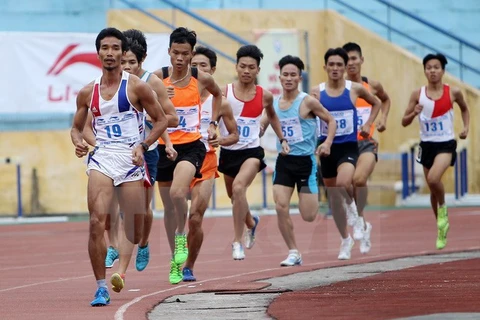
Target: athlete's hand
170, 91
171, 152
464, 133
81, 149
365, 130
212, 132
285, 148
381, 125
323, 150
214, 142
418, 108
137, 156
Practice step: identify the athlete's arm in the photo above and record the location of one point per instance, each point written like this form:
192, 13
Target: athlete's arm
273, 118
319, 110
88, 134
148, 101
79, 119
162, 96
413, 108
263, 124
385, 106
209, 83
315, 92
226, 114
459, 99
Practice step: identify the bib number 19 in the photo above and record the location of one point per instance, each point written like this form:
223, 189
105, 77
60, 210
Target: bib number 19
114, 131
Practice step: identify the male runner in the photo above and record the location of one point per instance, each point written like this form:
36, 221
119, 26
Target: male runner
117, 101
338, 96
297, 112
174, 177
205, 60
367, 147
433, 104
241, 162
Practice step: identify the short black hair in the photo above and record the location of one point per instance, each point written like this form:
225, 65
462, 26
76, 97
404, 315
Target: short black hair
251, 51
336, 52
291, 60
352, 46
440, 57
138, 36
137, 49
183, 35
111, 32
209, 53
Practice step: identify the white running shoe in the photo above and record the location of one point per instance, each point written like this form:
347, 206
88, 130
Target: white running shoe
352, 213
365, 243
346, 248
359, 229
294, 259
237, 251
250, 234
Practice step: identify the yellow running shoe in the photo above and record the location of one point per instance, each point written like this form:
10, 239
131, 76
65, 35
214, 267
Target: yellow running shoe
117, 282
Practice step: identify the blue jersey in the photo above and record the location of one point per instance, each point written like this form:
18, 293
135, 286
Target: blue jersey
343, 111
301, 134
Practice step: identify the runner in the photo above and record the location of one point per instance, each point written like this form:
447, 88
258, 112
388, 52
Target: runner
297, 112
367, 147
201, 188
338, 96
433, 104
174, 177
241, 162
117, 101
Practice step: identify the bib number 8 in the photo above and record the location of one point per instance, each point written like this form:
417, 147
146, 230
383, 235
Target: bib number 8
342, 123
114, 131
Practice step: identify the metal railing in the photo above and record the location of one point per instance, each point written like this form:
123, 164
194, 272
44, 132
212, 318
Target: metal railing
195, 16
462, 43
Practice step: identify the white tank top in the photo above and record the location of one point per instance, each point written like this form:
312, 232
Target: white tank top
205, 119
247, 114
117, 125
436, 118
148, 125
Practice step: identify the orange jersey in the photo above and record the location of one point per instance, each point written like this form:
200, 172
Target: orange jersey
187, 104
363, 111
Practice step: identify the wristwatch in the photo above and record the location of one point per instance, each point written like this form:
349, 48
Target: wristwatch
144, 146
215, 123
281, 140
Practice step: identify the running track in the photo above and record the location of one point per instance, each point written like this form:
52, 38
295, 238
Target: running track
46, 273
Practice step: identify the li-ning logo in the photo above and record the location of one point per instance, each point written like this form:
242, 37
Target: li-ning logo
62, 62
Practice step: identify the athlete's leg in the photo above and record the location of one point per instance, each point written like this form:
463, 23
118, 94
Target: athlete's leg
201, 193
100, 196
434, 177
281, 196
364, 168
249, 221
433, 199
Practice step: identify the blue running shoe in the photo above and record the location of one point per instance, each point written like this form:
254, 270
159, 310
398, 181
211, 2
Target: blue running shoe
102, 298
250, 234
112, 255
188, 275
143, 257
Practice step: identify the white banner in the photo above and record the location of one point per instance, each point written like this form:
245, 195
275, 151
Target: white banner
46, 70
275, 44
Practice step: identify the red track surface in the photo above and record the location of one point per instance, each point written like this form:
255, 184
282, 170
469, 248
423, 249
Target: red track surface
46, 273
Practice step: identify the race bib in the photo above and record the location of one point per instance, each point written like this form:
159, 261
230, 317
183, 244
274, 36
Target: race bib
117, 128
248, 129
439, 127
344, 120
292, 130
363, 115
188, 119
